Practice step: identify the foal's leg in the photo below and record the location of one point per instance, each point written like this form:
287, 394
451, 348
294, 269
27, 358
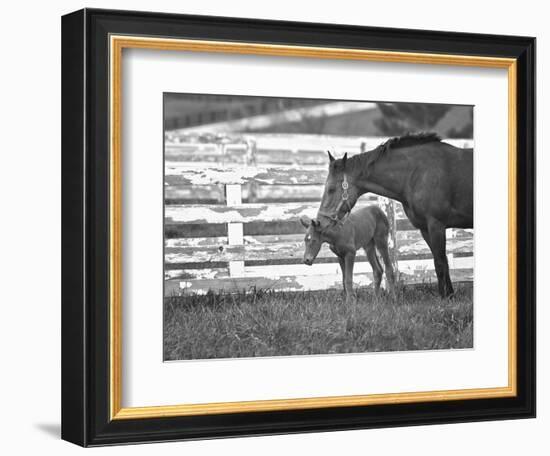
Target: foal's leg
375, 265
349, 260
436, 239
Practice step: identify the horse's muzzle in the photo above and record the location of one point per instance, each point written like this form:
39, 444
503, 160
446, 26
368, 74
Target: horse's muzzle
308, 261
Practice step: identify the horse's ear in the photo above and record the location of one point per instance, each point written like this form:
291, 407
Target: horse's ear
315, 223
330, 157
305, 221
344, 159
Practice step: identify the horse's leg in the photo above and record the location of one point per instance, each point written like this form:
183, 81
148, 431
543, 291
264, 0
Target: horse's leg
382, 247
435, 237
349, 260
375, 265
343, 268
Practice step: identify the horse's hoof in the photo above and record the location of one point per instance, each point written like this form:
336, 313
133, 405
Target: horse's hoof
449, 296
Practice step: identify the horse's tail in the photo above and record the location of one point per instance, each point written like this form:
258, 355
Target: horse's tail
376, 255
382, 223
381, 233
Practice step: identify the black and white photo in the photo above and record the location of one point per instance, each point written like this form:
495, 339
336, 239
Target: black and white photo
313, 226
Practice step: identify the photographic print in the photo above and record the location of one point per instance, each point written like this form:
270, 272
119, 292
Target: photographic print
310, 226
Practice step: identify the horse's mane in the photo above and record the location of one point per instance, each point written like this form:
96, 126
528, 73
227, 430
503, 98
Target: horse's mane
411, 139
397, 142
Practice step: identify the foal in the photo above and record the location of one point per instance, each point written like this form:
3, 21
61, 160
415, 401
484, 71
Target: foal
366, 228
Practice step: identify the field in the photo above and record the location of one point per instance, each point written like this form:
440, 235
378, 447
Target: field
267, 323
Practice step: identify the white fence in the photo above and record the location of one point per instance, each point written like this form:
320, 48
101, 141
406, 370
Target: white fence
233, 207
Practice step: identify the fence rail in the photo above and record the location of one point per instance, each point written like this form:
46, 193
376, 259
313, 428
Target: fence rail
233, 208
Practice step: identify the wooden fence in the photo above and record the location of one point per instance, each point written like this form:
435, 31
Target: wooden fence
232, 210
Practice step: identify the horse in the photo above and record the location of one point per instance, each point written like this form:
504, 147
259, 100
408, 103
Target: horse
433, 181
366, 228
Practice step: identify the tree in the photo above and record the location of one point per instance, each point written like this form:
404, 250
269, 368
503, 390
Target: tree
400, 118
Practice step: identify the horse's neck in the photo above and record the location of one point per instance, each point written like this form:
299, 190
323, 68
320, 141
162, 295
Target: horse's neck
343, 231
386, 177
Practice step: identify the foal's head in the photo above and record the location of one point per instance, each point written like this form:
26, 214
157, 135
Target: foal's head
312, 240
340, 194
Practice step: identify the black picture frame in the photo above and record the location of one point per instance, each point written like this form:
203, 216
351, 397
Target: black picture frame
85, 227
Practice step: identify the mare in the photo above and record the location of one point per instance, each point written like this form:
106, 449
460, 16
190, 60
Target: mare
433, 181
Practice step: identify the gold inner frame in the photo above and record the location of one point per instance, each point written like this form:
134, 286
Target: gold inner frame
117, 44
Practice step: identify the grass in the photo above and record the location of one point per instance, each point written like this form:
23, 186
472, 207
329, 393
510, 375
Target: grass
266, 323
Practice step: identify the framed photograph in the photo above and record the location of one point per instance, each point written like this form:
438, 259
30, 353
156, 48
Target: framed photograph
278, 227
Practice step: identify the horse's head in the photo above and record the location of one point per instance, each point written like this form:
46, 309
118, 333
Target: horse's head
340, 194
312, 240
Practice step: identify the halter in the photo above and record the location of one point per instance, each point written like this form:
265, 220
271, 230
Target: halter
344, 200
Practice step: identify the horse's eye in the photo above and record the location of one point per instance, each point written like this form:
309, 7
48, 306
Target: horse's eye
331, 190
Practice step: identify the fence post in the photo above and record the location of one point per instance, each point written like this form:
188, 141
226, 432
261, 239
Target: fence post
450, 256
233, 197
250, 160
